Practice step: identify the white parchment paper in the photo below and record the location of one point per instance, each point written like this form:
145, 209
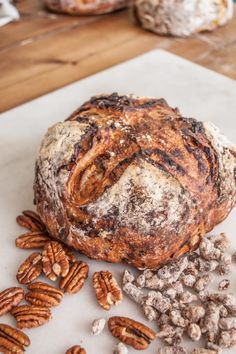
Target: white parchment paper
198, 93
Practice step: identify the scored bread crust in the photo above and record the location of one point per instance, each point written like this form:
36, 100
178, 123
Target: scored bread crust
85, 7
127, 179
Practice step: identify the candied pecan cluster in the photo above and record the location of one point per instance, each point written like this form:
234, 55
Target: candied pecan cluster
176, 297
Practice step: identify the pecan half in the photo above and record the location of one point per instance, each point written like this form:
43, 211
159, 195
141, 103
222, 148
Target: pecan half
30, 220
32, 239
10, 298
30, 316
131, 332
107, 290
76, 349
30, 269
70, 255
12, 340
55, 261
75, 279
42, 294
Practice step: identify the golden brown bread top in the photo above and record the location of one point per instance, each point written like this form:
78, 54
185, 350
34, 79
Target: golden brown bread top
129, 179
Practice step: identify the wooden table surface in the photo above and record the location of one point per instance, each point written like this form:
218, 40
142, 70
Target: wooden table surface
45, 51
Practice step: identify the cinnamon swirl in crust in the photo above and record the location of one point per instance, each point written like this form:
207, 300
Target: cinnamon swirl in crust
127, 179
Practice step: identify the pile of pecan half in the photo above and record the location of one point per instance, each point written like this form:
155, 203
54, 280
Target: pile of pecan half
176, 297
56, 262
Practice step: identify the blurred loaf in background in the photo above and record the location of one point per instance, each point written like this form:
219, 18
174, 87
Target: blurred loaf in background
182, 17
85, 7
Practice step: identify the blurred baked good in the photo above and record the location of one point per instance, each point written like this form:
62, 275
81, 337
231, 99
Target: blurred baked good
85, 7
128, 179
182, 17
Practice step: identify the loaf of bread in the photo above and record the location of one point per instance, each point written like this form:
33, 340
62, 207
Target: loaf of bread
127, 179
85, 7
182, 17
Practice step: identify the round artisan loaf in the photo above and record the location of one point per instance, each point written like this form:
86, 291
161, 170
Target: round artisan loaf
85, 7
128, 179
182, 17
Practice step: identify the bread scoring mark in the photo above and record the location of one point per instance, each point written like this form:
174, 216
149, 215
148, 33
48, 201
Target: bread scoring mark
199, 150
177, 153
166, 160
95, 168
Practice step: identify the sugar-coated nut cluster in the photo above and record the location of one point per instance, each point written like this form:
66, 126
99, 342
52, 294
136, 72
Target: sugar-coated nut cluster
172, 350
224, 284
172, 271
194, 332
170, 334
150, 312
204, 351
120, 348
98, 326
189, 280
128, 277
176, 297
155, 299
202, 282
194, 313
133, 292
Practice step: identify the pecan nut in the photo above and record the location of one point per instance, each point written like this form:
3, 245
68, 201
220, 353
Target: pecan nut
30, 269
10, 298
12, 340
75, 279
32, 239
131, 332
30, 220
42, 294
70, 255
55, 261
76, 349
107, 290
31, 316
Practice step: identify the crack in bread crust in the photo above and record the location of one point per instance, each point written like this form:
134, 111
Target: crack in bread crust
128, 179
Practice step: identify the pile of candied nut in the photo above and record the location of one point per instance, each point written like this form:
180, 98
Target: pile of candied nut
175, 296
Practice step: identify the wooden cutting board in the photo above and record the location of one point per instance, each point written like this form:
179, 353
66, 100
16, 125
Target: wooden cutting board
45, 51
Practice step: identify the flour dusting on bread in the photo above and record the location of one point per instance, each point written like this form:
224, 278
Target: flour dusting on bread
143, 198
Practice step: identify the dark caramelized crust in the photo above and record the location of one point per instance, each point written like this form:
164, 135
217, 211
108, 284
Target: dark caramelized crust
129, 179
